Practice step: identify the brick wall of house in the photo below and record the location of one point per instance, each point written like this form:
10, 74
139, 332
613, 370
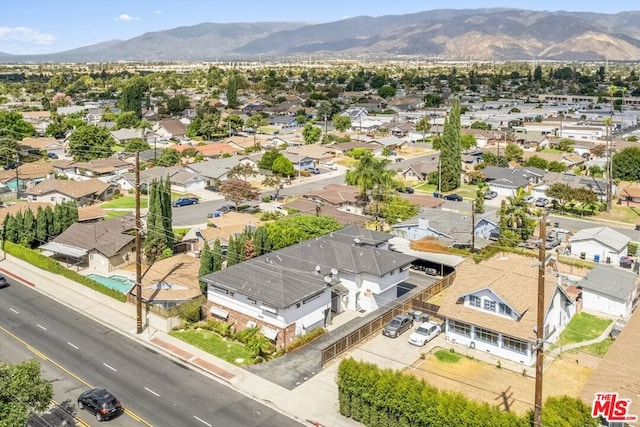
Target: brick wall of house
239, 322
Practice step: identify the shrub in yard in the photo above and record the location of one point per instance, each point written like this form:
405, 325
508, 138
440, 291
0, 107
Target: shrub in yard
221, 328
245, 335
304, 339
260, 346
189, 311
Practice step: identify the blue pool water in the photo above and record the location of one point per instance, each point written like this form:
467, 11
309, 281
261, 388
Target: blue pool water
119, 283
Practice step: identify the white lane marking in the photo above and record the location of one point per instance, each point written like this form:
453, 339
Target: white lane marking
202, 421
110, 367
15, 311
72, 345
151, 391
41, 327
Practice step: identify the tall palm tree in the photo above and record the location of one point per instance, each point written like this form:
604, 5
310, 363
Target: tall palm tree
515, 215
371, 175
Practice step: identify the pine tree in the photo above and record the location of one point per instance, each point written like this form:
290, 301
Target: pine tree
28, 235
41, 226
261, 241
58, 219
19, 226
50, 223
451, 150
155, 239
167, 216
216, 256
232, 252
206, 265
9, 229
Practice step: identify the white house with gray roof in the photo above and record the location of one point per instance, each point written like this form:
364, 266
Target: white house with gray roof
295, 289
610, 290
507, 181
181, 179
600, 244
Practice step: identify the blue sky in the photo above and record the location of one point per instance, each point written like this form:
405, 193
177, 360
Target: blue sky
45, 26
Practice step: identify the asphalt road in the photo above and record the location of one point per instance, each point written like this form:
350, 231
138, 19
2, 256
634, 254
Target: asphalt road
154, 389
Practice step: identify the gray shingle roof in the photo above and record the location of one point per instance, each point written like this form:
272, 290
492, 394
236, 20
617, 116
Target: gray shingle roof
603, 235
610, 281
107, 237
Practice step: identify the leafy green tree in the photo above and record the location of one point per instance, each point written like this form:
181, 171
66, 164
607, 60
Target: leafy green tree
490, 159
28, 229
513, 153
566, 411
177, 104
261, 241
311, 133
136, 144
283, 167
480, 125
468, 141
242, 171
294, 229
386, 91
22, 391
565, 145
369, 174
169, 157
56, 127
41, 235
626, 164
157, 239
90, 142
234, 81
12, 125
451, 151
479, 201
206, 265
537, 162
341, 123
556, 166
431, 100
133, 94
167, 213
423, 126
561, 192
256, 121
238, 191
127, 120
397, 209
260, 347
268, 158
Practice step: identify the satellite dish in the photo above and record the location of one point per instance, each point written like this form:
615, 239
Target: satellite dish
327, 279
334, 271
356, 241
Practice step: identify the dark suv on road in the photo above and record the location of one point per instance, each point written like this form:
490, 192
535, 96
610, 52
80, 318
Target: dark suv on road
100, 403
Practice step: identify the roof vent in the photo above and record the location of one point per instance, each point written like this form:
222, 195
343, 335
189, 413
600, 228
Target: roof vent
356, 241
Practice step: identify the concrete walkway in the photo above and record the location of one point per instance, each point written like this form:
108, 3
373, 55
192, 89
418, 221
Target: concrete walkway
553, 354
314, 403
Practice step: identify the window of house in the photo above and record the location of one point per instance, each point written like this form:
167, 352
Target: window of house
222, 291
474, 301
504, 309
460, 328
489, 305
252, 301
514, 344
486, 336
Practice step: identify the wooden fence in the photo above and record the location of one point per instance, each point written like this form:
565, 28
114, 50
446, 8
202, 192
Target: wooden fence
416, 302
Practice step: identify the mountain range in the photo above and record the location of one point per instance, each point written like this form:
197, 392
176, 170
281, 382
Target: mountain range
492, 34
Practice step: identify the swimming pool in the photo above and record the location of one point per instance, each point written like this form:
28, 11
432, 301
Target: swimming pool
119, 283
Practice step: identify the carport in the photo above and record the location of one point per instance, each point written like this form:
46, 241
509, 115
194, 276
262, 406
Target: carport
444, 264
73, 256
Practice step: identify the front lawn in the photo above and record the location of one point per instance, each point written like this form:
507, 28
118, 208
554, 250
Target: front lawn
125, 202
213, 343
583, 327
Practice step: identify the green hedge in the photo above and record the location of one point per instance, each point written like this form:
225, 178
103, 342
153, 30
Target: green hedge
385, 398
45, 263
304, 339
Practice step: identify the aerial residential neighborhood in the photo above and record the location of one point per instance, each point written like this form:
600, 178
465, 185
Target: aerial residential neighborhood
296, 243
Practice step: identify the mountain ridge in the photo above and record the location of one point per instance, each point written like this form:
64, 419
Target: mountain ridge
487, 34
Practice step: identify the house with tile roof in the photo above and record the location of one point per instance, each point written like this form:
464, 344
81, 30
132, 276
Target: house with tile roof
601, 244
49, 145
27, 175
296, 289
100, 246
610, 291
65, 190
597, 185
104, 169
492, 306
343, 197
170, 128
630, 196
182, 180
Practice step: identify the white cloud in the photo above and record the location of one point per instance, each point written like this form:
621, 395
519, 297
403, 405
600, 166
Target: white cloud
125, 17
157, 12
26, 35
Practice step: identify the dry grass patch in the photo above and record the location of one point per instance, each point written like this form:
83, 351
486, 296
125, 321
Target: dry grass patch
504, 388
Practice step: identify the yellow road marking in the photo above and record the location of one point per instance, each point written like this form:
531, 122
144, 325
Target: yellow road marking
59, 366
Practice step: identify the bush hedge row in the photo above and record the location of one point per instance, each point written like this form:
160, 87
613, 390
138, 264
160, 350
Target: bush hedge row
45, 263
385, 398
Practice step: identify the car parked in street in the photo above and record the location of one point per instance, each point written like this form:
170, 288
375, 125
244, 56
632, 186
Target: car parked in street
541, 202
313, 170
185, 201
100, 403
3, 281
425, 333
397, 326
454, 197
222, 210
329, 165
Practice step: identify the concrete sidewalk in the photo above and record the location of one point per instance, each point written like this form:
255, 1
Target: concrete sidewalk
313, 403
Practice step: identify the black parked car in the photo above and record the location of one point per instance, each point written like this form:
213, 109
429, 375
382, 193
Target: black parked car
397, 326
454, 197
100, 403
3, 282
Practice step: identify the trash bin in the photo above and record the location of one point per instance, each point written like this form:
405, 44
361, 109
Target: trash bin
425, 318
596, 258
417, 316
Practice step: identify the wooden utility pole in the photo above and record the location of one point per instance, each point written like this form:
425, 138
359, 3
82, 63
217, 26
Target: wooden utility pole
138, 251
537, 410
473, 224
